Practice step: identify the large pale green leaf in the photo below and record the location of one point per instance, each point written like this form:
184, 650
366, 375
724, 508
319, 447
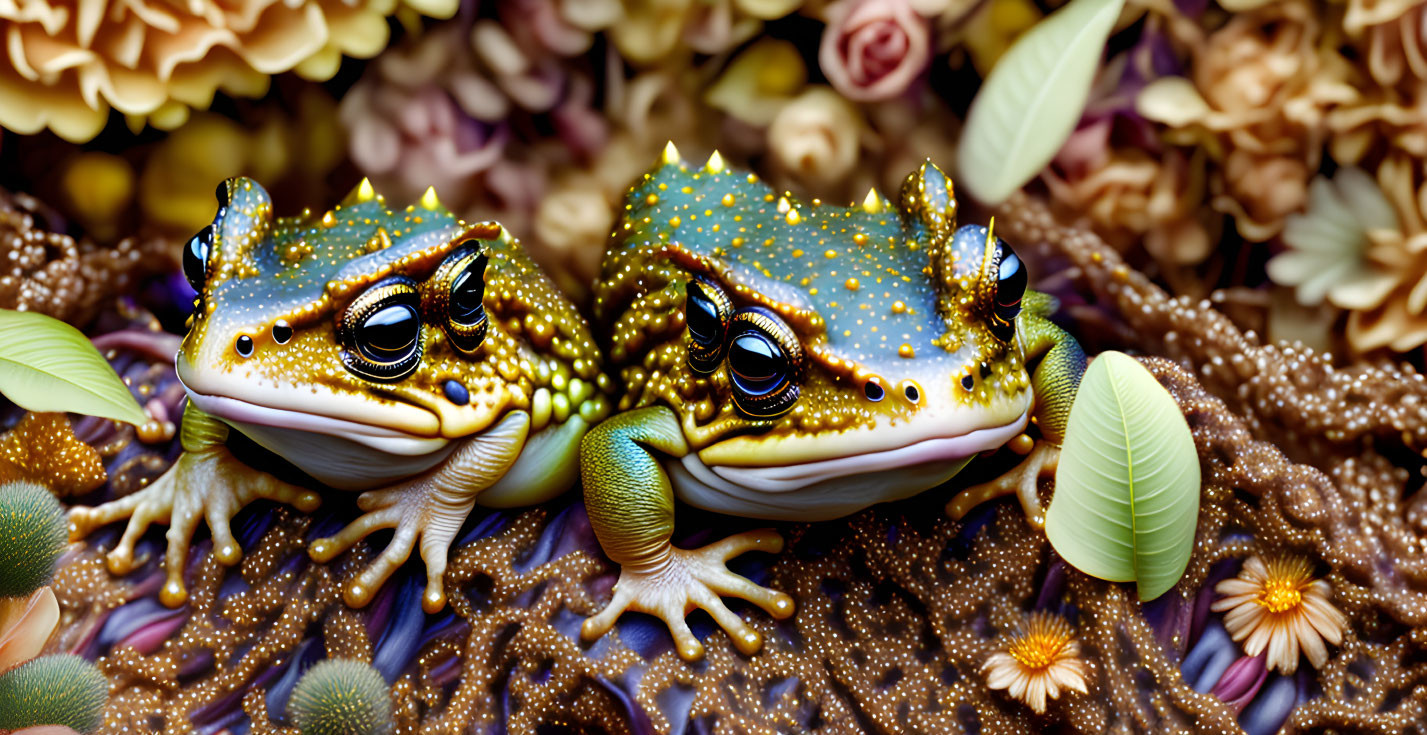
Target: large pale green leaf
1127, 488
47, 365
1032, 99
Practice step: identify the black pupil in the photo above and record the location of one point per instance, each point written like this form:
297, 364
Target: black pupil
702, 317
390, 334
757, 362
195, 257
468, 293
1011, 284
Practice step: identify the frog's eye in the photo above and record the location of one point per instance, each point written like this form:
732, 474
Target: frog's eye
380, 331
764, 359
195, 257
459, 298
1010, 288
707, 312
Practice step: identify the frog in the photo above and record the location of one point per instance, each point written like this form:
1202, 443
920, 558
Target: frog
403, 353
790, 361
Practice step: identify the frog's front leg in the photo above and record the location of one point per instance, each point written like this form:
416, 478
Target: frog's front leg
1053, 383
206, 482
631, 509
431, 507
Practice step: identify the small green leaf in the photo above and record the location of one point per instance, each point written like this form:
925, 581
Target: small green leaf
1126, 497
1033, 98
47, 365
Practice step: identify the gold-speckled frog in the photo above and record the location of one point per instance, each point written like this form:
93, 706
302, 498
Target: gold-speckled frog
405, 353
801, 362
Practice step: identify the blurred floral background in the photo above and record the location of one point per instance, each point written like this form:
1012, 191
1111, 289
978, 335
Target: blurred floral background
1270, 150
1260, 161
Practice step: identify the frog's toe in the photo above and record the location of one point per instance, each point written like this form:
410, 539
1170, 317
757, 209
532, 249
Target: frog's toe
225, 548
83, 520
361, 591
326, 549
1023, 481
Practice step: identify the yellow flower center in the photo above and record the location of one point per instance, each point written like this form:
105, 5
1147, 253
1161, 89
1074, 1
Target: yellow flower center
1037, 650
1280, 595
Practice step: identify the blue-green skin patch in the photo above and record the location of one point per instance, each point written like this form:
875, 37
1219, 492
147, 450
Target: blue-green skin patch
903, 359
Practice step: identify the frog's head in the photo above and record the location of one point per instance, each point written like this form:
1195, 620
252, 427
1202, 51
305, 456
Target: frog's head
393, 330
801, 343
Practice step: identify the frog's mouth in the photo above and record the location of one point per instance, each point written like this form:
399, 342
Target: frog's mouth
831, 485
782, 478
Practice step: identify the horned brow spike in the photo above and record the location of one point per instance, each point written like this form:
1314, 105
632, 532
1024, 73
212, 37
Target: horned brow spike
872, 203
429, 200
671, 154
715, 163
365, 191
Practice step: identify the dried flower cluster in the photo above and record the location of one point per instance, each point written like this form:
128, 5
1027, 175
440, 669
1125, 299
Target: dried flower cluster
68, 63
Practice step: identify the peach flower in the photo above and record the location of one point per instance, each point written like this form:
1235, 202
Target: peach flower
1132, 194
815, 137
873, 49
69, 63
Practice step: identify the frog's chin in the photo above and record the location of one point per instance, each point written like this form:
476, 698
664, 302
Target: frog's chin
832, 488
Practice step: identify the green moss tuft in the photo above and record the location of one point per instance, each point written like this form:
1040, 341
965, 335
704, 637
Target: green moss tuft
53, 690
32, 536
341, 697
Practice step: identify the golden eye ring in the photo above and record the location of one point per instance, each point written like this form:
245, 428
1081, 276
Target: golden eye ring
707, 312
380, 331
456, 297
765, 362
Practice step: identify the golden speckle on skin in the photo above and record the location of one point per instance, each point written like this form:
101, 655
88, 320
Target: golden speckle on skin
899, 307
906, 350
852, 285
728, 200
859, 238
830, 253
652, 199
675, 221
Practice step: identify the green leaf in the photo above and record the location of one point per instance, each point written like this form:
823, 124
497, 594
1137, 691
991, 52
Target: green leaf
47, 365
1032, 99
1126, 497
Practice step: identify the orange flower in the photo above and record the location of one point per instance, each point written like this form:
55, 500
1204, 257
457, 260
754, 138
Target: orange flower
1040, 659
1278, 605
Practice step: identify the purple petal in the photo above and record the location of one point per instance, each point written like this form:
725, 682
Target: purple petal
1238, 685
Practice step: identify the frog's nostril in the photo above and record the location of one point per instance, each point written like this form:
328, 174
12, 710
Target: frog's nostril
244, 345
910, 391
282, 332
874, 390
968, 382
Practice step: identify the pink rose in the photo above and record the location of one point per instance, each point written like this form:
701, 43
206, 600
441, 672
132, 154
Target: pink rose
873, 49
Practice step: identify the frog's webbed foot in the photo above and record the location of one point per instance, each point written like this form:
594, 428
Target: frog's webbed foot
1022, 481
673, 586
208, 484
418, 509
